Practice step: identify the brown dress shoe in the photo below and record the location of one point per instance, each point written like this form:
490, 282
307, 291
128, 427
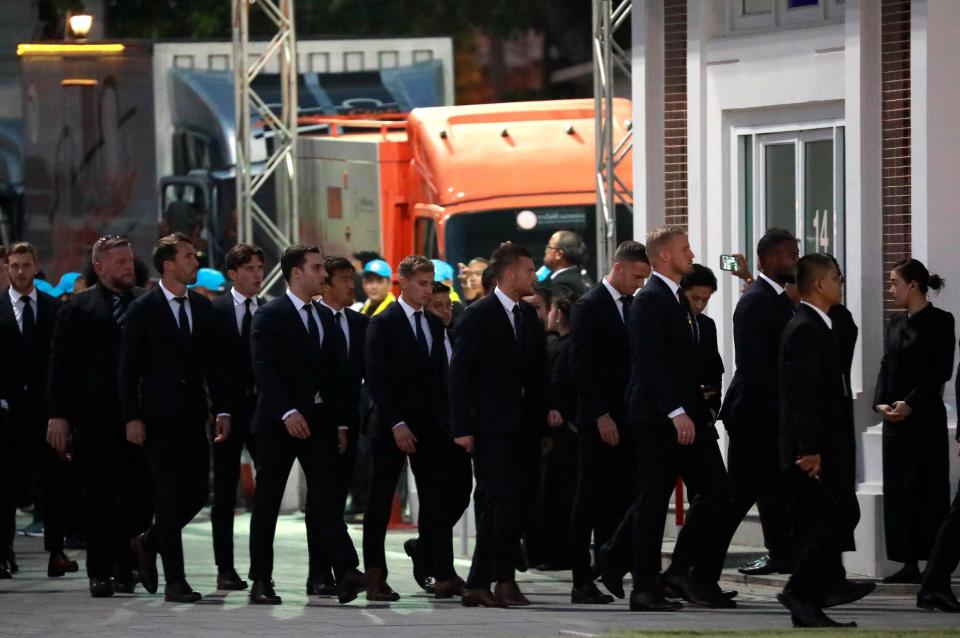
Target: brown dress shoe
350, 585
146, 565
448, 588
479, 598
60, 564
378, 591
508, 594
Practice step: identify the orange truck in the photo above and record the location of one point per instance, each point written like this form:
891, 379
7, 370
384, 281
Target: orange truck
453, 182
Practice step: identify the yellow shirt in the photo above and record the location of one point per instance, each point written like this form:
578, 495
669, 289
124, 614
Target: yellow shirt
389, 299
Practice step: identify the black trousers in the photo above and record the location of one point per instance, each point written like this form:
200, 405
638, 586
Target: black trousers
606, 488
916, 486
320, 563
276, 452
660, 460
226, 477
945, 554
506, 469
548, 536
117, 496
180, 465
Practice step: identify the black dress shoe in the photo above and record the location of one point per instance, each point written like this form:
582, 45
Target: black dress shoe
180, 591
101, 588
421, 570
350, 585
908, 575
709, 596
122, 585
60, 564
652, 601
262, 593
765, 565
847, 591
554, 566
229, 580
323, 585
12, 562
610, 575
805, 614
938, 600
4, 571
589, 594
479, 598
146, 565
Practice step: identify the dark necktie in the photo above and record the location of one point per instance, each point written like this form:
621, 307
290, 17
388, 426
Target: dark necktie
695, 327
27, 319
518, 324
340, 338
247, 321
787, 303
182, 318
119, 308
312, 328
421, 336
625, 301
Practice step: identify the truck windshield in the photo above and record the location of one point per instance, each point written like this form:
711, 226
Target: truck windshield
470, 235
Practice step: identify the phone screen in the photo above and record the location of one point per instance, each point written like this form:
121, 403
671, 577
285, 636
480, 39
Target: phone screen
728, 262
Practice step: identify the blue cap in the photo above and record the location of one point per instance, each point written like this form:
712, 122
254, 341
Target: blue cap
378, 267
212, 280
543, 273
67, 282
442, 271
45, 286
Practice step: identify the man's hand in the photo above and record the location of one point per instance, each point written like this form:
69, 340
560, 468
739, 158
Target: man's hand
466, 442
136, 432
554, 418
343, 440
58, 435
297, 426
686, 432
811, 464
883, 409
743, 269
899, 411
405, 439
609, 433
546, 445
221, 430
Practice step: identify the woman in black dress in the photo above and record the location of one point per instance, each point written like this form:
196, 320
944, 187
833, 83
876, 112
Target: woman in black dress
917, 362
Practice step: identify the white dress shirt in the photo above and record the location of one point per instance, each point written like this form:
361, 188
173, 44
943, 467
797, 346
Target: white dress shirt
615, 294
508, 305
447, 345
675, 289
344, 325
826, 318
240, 307
409, 310
777, 288
16, 300
175, 306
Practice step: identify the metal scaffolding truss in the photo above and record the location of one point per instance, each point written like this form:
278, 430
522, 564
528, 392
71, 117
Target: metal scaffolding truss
279, 134
609, 61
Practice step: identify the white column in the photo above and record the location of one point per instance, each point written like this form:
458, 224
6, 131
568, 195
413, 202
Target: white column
647, 95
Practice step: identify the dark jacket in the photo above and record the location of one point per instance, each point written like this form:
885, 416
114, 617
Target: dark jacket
599, 356
708, 361
497, 386
571, 283
24, 366
758, 323
563, 391
162, 375
232, 386
405, 384
353, 370
664, 375
86, 331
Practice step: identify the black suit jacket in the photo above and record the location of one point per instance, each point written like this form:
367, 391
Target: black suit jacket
664, 374
405, 384
571, 283
232, 387
752, 400
599, 356
708, 359
290, 370
23, 366
813, 391
353, 370
162, 375
497, 386
87, 332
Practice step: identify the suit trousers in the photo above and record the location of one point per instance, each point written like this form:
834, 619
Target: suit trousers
945, 554
506, 467
606, 488
180, 465
320, 563
276, 452
14, 449
226, 477
444, 479
117, 494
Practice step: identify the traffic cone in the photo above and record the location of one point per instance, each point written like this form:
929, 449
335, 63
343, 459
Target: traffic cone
396, 515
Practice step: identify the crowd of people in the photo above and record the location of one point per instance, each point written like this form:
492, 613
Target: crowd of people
574, 408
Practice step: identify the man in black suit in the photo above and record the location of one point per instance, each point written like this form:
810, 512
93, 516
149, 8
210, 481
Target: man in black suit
299, 409
406, 372
674, 434
498, 387
698, 287
817, 444
565, 255
600, 362
165, 362
347, 344
27, 318
234, 398
85, 417
751, 409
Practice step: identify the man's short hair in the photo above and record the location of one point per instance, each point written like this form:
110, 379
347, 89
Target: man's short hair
479, 260
773, 238
108, 242
241, 255
573, 247
335, 264
295, 256
506, 255
413, 264
488, 279
23, 248
166, 249
811, 269
701, 276
659, 237
365, 256
544, 293
440, 288
631, 251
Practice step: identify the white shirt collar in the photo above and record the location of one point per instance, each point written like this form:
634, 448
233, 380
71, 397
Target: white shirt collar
169, 295
342, 311
15, 296
507, 302
407, 308
557, 272
298, 303
674, 286
823, 315
777, 288
239, 299
616, 294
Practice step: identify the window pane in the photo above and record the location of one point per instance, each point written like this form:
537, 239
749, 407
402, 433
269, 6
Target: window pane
818, 215
780, 187
756, 7
747, 197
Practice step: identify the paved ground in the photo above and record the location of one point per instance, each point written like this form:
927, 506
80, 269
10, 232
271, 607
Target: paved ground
32, 604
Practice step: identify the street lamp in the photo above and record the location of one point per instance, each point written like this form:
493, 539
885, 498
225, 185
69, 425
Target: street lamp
78, 25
